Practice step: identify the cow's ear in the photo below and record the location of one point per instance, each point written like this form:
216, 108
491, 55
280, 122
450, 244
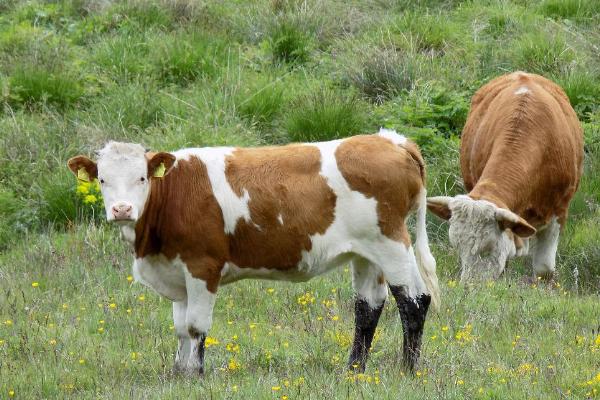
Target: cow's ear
509, 220
83, 168
440, 206
159, 164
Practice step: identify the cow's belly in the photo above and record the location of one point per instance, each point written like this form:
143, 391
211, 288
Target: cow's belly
301, 273
165, 276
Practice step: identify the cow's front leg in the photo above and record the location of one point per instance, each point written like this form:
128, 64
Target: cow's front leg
544, 252
200, 303
183, 336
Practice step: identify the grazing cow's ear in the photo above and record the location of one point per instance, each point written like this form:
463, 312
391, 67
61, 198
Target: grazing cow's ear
509, 220
440, 206
83, 168
159, 164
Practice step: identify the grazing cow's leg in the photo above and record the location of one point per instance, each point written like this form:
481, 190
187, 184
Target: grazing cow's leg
183, 336
371, 292
544, 252
198, 319
400, 269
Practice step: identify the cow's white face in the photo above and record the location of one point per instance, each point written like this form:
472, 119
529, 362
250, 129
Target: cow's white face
479, 231
124, 171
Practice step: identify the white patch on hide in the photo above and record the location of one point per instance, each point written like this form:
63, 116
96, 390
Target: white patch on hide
232, 206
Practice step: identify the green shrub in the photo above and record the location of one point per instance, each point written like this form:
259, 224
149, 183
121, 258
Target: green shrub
438, 108
325, 115
29, 85
288, 43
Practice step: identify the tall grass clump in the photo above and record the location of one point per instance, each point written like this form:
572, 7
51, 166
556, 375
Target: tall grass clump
288, 42
583, 89
31, 85
542, 53
141, 15
260, 103
325, 115
578, 10
123, 57
425, 32
383, 73
183, 58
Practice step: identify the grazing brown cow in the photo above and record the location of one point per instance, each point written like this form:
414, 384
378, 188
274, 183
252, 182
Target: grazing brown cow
203, 217
521, 160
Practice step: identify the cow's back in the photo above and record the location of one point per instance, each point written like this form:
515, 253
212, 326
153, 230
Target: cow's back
523, 145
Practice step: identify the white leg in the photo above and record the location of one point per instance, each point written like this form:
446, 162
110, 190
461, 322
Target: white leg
183, 347
198, 319
400, 269
371, 292
544, 252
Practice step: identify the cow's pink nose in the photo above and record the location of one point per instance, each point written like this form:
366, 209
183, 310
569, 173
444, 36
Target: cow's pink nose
122, 211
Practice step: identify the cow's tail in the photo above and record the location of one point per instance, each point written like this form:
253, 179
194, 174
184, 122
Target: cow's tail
425, 260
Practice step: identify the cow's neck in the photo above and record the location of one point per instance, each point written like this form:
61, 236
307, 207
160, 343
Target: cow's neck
146, 235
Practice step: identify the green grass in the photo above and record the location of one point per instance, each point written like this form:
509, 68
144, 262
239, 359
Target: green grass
325, 115
178, 73
86, 332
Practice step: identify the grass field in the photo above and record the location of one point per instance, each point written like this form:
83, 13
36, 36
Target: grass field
175, 73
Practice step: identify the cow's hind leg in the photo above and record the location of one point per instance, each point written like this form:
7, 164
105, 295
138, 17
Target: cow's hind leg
370, 291
183, 337
544, 251
399, 266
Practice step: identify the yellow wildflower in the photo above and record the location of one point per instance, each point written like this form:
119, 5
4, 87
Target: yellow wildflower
11, 393
90, 199
35, 284
112, 306
129, 278
100, 330
83, 188
233, 365
52, 342
445, 328
452, 284
210, 341
81, 361
141, 297
8, 322
275, 388
460, 382
270, 290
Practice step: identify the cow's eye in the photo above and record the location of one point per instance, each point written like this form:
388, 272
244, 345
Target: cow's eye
142, 179
101, 180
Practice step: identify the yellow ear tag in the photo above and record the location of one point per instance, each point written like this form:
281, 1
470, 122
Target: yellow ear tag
159, 172
82, 175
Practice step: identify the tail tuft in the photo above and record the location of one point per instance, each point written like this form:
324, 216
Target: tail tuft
425, 260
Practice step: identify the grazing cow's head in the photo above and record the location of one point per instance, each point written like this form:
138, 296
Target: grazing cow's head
479, 230
124, 171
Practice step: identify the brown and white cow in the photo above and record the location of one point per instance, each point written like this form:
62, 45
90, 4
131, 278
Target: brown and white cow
203, 217
521, 160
